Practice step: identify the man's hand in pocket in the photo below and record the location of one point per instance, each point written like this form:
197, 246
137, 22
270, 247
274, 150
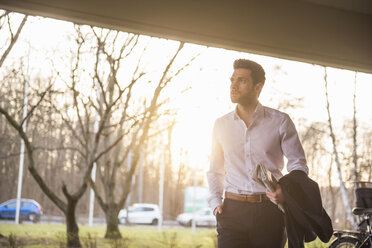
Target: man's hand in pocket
217, 209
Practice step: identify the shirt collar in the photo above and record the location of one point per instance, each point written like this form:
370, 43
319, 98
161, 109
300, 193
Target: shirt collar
259, 111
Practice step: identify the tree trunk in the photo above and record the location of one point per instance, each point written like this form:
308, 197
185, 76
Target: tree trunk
71, 224
332, 192
343, 191
112, 223
355, 126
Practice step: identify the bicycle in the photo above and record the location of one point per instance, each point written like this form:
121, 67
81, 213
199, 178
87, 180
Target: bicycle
362, 237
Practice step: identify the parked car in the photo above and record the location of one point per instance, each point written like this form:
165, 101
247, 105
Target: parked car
29, 210
140, 213
203, 217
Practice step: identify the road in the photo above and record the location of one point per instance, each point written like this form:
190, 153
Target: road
45, 219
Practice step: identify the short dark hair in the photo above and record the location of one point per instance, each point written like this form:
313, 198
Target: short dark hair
258, 73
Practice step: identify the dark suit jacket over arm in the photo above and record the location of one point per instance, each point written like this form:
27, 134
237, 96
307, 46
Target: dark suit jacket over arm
305, 217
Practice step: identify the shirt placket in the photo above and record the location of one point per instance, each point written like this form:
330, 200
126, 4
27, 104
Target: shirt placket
247, 158
248, 153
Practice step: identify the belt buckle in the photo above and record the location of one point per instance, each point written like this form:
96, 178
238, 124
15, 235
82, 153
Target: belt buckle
246, 197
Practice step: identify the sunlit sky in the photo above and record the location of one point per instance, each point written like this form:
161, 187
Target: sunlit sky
208, 97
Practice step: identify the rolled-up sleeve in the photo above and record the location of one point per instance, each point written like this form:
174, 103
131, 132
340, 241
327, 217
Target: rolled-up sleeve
216, 172
291, 146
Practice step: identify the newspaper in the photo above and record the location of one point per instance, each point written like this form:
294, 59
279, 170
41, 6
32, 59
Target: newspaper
264, 177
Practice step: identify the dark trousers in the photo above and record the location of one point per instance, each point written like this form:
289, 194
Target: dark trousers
251, 225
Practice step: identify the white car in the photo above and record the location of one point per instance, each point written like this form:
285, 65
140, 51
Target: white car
203, 217
140, 213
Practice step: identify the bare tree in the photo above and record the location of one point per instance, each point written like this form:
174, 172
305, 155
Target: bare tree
355, 154
12, 101
98, 94
344, 195
134, 128
69, 207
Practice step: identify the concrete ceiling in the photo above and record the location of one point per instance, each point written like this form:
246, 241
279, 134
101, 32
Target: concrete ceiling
334, 33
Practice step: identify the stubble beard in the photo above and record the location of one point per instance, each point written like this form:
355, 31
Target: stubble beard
233, 99
244, 100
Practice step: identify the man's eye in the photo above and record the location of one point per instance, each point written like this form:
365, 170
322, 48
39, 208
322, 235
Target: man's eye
238, 80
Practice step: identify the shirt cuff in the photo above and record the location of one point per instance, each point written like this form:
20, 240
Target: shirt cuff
303, 168
214, 202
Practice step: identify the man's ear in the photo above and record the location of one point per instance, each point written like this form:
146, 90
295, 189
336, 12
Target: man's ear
258, 87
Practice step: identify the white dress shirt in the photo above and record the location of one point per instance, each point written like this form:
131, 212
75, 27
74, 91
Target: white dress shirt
236, 149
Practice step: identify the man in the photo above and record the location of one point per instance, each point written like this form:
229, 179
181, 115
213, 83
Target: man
251, 134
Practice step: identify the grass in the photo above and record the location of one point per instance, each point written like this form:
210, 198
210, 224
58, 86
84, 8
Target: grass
49, 235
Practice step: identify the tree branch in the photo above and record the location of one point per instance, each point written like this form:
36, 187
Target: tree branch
13, 40
29, 113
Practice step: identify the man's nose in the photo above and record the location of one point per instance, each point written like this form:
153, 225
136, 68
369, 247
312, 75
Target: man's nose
233, 86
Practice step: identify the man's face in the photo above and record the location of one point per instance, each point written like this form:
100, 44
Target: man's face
242, 89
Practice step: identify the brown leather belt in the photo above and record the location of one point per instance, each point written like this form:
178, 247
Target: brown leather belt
246, 198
